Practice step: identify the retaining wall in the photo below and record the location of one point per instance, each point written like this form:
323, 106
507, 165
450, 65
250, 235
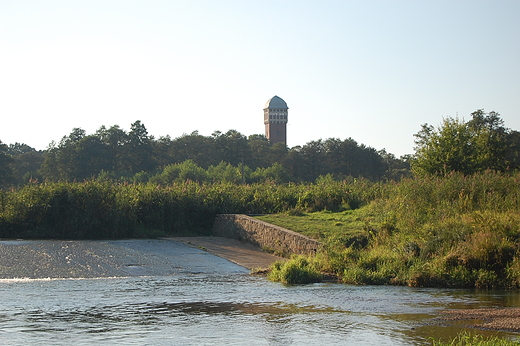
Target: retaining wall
270, 237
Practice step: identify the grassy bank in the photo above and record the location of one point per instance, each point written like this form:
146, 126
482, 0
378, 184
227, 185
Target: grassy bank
454, 231
320, 225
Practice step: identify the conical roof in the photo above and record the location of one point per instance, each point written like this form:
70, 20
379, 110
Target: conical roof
276, 102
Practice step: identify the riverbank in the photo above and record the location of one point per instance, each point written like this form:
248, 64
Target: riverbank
454, 231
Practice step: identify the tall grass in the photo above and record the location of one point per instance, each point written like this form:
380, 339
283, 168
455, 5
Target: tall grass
458, 231
467, 339
93, 210
100, 209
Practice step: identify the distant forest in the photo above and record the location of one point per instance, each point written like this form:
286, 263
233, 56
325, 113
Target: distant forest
482, 143
136, 156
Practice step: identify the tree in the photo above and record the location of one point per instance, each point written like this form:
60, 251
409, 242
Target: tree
78, 156
513, 150
293, 162
373, 165
92, 157
27, 162
347, 158
275, 173
277, 152
194, 147
19, 148
313, 160
6, 171
180, 172
114, 138
139, 148
61, 160
489, 136
397, 167
260, 149
466, 147
225, 172
161, 150
232, 147
445, 149
75, 136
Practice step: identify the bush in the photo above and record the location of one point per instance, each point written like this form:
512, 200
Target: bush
297, 270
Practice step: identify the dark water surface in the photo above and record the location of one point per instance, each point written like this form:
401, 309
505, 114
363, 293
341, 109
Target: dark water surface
171, 294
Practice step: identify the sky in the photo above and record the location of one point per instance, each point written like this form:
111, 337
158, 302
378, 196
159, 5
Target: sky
370, 70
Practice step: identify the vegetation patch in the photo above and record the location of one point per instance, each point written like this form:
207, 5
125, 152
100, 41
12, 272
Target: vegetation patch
97, 209
468, 339
297, 270
451, 231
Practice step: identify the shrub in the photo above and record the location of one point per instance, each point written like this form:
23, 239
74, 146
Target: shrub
297, 270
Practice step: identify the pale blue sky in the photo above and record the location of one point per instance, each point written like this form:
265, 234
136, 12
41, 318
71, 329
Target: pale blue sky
371, 70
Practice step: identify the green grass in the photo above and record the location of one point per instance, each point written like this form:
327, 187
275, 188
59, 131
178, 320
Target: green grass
321, 225
467, 339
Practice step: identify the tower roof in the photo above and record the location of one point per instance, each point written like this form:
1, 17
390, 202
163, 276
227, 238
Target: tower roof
276, 102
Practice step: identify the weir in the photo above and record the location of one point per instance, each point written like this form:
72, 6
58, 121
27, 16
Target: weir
267, 236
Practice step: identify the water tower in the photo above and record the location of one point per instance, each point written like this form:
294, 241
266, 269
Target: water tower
275, 120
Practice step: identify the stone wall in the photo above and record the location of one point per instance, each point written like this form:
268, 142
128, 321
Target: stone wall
273, 238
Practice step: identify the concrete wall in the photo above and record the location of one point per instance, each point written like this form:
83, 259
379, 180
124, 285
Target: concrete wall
265, 235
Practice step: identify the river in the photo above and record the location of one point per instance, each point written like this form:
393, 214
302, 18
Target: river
166, 293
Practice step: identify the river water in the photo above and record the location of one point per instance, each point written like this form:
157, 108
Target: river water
194, 298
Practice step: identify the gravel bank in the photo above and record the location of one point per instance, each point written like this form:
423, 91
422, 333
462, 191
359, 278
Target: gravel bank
506, 319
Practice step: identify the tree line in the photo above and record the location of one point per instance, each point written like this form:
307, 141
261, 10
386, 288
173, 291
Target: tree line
231, 156
479, 144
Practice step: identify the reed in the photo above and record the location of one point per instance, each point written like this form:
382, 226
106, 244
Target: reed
452, 231
99, 209
470, 339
